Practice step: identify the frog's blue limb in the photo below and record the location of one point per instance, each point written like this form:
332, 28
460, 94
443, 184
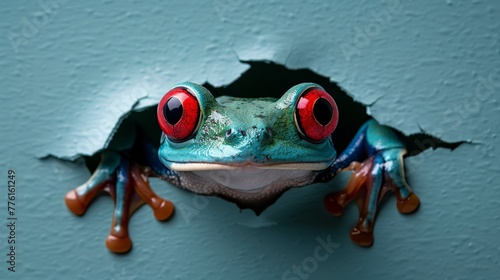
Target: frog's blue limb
394, 168
356, 151
78, 199
369, 140
126, 181
376, 185
118, 239
375, 157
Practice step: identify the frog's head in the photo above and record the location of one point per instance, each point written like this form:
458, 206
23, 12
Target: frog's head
246, 150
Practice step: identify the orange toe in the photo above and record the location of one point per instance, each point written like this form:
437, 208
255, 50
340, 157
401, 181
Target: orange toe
164, 211
408, 205
332, 205
74, 203
361, 238
119, 244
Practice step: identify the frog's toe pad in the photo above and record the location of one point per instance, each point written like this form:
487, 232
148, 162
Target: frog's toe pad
74, 203
408, 205
118, 244
362, 238
333, 206
164, 211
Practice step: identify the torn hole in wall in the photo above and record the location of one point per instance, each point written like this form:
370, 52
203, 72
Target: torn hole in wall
267, 79
263, 79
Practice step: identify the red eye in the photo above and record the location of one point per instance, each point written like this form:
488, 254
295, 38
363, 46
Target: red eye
178, 114
316, 115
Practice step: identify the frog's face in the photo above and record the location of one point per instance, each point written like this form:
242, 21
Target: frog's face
246, 149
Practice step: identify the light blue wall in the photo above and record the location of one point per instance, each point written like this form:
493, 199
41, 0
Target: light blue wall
69, 71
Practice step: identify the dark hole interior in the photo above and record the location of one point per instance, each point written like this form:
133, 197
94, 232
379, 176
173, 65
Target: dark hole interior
267, 79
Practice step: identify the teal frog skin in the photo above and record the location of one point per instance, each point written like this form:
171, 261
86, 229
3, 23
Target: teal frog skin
249, 151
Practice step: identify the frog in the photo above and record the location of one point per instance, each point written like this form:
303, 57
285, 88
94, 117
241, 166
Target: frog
249, 151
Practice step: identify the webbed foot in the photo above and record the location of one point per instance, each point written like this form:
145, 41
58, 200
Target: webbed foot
369, 181
128, 185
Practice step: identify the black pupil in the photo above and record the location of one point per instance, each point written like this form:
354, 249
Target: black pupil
173, 110
323, 111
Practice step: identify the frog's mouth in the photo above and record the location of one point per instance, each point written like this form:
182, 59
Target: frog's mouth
203, 166
249, 185
250, 177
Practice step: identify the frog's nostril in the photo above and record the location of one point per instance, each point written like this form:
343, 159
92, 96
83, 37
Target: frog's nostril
267, 136
229, 132
233, 136
268, 133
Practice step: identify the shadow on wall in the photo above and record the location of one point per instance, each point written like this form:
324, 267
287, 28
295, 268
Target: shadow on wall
267, 79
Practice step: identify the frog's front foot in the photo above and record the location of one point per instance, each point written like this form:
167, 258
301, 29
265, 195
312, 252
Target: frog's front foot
369, 181
128, 184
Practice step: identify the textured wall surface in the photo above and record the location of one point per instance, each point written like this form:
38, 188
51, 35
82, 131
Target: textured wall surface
69, 70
